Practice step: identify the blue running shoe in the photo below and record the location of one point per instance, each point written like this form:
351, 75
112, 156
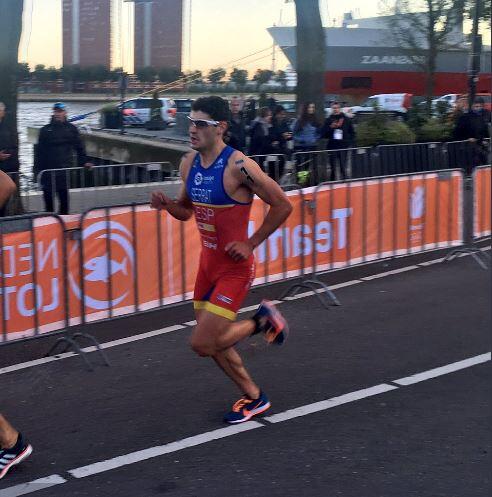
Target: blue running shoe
271, 323
245, 408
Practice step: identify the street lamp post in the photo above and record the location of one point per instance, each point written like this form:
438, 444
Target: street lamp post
122, 83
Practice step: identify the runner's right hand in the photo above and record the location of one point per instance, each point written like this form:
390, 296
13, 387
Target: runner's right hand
159, 201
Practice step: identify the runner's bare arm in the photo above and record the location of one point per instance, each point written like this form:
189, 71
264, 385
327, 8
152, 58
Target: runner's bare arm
249, 174
7, 188
181, 208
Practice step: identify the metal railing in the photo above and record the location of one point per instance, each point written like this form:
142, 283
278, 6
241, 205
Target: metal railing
94, 185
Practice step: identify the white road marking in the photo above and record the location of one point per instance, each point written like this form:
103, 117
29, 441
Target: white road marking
449, 368
145, 454
310, 293
329, 403
105, 345
32, 486
389, 273
142, 455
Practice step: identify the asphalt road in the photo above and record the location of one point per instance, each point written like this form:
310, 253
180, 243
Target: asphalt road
151, 424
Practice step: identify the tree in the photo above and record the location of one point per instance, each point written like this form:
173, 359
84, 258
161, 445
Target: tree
168, 74
146, 74
239, 76
484, 8
281, 77
52, 74
425, 33
98, 73
23, 71
193, 77
114, 74
310, 54
262, 77
216, 75
10, 33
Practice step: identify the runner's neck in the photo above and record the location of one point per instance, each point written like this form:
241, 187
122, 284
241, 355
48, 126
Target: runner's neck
208, 157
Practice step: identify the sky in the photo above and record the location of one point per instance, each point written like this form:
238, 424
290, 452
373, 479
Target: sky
221, 31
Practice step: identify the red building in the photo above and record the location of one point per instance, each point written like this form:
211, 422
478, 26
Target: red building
158, 33
87, 32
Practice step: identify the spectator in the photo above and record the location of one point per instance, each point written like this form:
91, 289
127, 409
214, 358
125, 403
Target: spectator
263, 100
306, 133
156, 121
57, 143
472, 126
9, 147
13, 448
9, 153
7, 189
271, 103
250, 110
339, 131
236, 134
261, 133
281, 138
306, 130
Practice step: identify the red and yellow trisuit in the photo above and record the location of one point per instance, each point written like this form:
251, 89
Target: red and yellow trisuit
221, 284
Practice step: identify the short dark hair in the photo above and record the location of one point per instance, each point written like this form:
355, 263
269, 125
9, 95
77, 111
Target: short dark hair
479, 100
264, 111
216, 107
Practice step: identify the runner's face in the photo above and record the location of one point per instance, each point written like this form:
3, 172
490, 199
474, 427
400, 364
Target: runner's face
205, 138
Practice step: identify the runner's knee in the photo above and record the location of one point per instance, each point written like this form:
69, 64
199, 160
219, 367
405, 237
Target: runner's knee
202, 347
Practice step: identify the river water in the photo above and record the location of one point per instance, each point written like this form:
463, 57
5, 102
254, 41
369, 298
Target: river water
39, 114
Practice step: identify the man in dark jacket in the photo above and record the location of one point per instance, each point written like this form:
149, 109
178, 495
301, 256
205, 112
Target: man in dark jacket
339, 131
473, 126
57, 143
9, 146
236, 133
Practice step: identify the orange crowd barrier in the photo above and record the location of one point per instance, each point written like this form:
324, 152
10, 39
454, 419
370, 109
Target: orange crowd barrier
123, 260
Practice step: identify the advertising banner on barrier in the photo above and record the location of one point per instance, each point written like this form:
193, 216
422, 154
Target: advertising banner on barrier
122, 260
482, 205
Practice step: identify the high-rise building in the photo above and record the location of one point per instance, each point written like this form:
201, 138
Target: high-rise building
87, 32
158, 33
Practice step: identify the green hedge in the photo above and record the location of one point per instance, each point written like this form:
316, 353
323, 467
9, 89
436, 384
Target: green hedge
379, 130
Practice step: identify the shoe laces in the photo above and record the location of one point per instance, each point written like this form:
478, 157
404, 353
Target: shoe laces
240, 404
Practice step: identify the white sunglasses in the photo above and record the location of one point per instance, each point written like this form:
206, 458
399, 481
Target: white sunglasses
203, 123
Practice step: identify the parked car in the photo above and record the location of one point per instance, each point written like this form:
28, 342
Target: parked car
454, 99
290, 107
395, 103
183, 104
138, 109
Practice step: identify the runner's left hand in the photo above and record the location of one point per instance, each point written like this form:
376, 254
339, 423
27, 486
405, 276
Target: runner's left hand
239, 251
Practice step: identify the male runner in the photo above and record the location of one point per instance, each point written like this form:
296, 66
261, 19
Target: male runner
13, 449
218, 187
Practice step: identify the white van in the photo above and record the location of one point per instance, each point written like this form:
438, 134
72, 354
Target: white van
137, 110
385, 102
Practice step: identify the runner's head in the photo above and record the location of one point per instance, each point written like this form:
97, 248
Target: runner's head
208, 122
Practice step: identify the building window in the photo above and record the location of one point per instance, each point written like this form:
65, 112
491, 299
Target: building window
352, 82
